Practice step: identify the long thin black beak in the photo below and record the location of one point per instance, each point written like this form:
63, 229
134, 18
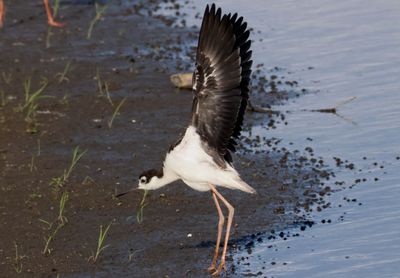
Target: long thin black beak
126, 192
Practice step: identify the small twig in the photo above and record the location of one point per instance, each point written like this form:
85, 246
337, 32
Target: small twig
332, 109
323, 110
345, 102
259, 109
346, 119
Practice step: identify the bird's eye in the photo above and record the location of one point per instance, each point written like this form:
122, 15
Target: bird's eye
143, 180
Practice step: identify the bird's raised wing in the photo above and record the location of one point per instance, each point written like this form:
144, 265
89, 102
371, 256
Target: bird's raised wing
221, 79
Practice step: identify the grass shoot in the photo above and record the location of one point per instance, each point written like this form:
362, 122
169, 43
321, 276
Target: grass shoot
2, 98
100, 10
50, 238
32, 164
88, 180
7, 77
32, 98
106, 86
31, 103
116, 111
61, 217
17, 262
99, 82
61, 180
103, 87
62, 76
76, 156
143, 204
100, 243
60, 221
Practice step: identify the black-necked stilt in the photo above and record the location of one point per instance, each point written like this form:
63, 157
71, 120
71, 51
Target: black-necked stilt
201, 157
50, 18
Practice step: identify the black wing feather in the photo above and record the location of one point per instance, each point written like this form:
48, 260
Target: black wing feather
221, 80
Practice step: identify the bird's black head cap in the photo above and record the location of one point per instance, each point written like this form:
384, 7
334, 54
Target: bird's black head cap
146, 176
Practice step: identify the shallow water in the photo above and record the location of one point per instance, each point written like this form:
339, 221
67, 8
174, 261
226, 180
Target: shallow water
338, 51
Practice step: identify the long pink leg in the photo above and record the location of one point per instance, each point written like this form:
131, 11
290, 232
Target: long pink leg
2, 13
50, 18
231, 210
220, 226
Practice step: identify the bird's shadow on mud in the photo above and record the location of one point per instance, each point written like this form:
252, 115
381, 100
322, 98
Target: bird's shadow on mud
248, 241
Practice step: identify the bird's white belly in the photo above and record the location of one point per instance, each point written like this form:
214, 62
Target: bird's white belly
191, 163
194, 170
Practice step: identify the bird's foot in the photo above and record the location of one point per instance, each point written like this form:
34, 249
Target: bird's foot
54, 23
212, 267
219, 269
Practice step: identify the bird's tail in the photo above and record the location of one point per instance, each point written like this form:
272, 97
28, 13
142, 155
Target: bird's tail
232, 180
243, 186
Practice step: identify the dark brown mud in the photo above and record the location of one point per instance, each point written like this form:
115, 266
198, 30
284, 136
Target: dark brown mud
133, 53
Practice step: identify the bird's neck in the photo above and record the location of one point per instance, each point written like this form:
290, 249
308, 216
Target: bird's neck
165, 178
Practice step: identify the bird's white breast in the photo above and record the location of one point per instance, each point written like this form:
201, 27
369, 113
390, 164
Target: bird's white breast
194, 166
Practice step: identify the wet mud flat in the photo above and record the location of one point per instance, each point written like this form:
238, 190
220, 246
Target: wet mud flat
111, 97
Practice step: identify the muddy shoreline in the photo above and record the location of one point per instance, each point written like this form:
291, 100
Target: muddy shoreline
133, 53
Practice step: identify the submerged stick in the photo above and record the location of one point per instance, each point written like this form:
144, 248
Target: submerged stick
252, 108
332, 109
184, 81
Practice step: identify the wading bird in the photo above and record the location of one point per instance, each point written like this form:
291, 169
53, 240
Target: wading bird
50, 18
201, 157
